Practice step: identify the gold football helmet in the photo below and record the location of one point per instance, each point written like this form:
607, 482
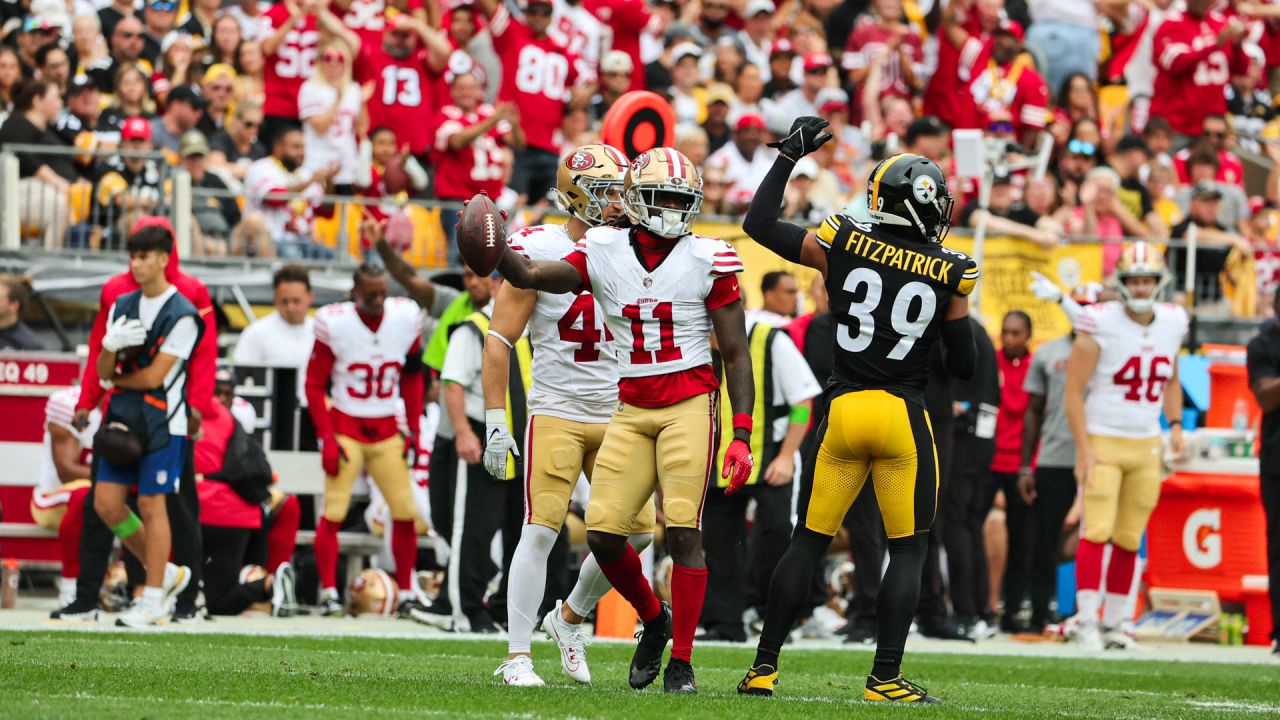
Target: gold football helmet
1141, 259
373, 592
662, 192
589, 180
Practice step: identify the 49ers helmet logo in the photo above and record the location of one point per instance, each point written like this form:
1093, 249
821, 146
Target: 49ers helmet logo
580, 161
640, 162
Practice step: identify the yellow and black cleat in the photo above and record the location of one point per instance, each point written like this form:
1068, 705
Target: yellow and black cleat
898, 689
759, 681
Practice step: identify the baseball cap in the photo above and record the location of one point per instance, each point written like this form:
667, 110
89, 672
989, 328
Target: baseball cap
79, 84
832, 99
163, 5
755, 7
805, 167
684, 50
1133, 142
781, 47
136, 128
1206, 190
750, 120
815, 60
189, 94
616, 61
720, 92
927, 126
224, 376
1257, 204
1010, 27
192, 143
174, 37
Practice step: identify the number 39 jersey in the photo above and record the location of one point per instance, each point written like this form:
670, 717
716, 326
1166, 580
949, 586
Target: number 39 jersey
889, 297
659, 318
1126, 393
367, 364
575, 375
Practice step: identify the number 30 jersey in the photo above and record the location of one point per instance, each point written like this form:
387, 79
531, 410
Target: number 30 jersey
889, 297
1126, 393
367, 364
575, 375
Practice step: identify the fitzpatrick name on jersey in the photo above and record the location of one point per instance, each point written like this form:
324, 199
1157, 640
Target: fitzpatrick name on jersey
939, 269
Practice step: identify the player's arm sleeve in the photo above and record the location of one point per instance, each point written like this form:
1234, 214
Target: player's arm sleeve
319, 368
90, 391
725, 266
413, 387
962, 350
968, 278
761, 222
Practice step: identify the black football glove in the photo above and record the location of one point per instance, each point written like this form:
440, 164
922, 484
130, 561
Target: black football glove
806, 136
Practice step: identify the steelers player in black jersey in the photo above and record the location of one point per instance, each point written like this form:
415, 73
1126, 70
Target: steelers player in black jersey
894, 292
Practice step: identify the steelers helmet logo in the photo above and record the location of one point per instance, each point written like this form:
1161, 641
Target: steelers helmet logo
641, 162
580, 161
925, 189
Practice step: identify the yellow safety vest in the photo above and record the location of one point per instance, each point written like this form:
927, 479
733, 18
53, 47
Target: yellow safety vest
763, 415
517, 384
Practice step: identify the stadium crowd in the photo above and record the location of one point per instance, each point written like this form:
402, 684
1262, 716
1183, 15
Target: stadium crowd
1146, 104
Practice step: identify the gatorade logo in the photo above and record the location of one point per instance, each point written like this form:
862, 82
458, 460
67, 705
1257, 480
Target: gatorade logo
1201, 538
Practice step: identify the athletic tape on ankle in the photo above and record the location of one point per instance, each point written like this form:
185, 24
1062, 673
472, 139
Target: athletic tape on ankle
127, 527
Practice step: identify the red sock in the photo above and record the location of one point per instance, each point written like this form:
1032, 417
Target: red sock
282, 538
627, 577
688, 587
1089, 565
404, 548
1120, 570
69, 533
326, 548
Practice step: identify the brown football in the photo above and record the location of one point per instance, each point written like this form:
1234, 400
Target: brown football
394, 178
482, 234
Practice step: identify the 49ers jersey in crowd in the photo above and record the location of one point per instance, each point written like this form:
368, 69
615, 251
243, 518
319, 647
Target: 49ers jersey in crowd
1016, 89
1192, 70
869, 38
61, 410
538, 76
1126, 393
579, 33
402, 95
465, 171
367, 18
367, 364
660, 318
575, 375
292, 63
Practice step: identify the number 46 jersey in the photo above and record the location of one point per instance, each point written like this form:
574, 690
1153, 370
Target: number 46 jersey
575, 375
889, 297
1126, 393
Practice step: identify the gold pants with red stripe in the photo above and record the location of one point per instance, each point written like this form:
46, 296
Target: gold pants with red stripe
1122, 491
556, 452
648, 448
48, 508
388, 468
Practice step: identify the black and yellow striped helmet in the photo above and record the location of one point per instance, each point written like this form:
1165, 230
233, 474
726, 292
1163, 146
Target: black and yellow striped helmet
910, 191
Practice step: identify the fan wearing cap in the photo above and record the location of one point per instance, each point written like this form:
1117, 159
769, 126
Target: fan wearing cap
757, 33
403, 65
1204, 165
885, 35
215, 216
686, 91
804, 100
1214, 241
720, 105
745, 161
781, 57
36, 32
616, 74
963, 49
544, 97
78, 124
1007, 83
127, 185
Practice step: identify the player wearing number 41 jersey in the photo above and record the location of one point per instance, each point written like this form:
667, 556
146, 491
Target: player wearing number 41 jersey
894, 291
574, 392
1125, 360
661, 289
368, 352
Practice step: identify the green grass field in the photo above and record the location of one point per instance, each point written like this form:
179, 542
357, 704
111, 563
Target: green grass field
159, 675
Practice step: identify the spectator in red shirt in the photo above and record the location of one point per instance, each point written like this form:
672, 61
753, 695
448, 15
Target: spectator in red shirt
1007, 83
964, 36
1014, 360
1195, 54
885, 29
290, 34
1215, 132
402, 75
540, 78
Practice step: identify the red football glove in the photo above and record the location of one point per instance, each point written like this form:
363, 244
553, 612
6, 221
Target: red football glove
410, 447
737, 465
331, 455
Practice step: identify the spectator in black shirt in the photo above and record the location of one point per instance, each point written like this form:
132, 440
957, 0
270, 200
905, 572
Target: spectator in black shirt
1264, 381
1214, 242
54, 64
1006, 217
10, 77
36, 32
215, 216
719, 100
128, 186
45, 176
15, 291
79, 125
200, 20
159, 18
780, 59
114, 13
133, 98
1128, 158
126, 50
234, 148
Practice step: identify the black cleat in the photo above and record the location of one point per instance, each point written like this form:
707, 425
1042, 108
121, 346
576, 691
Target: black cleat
78, 611
647, 661
678, 678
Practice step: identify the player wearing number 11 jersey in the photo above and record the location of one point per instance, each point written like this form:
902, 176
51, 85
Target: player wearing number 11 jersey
661, 290
368, 353
1125, 360
894, 291
574, 393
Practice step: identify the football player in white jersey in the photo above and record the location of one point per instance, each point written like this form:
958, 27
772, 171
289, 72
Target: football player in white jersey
1123, 371
57, 502
368, 351
574, 393
661, 289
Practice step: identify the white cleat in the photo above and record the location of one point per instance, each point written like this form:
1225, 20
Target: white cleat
518, 671
1119, 639
1089, 637
176, 578
573, 653
143, 615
